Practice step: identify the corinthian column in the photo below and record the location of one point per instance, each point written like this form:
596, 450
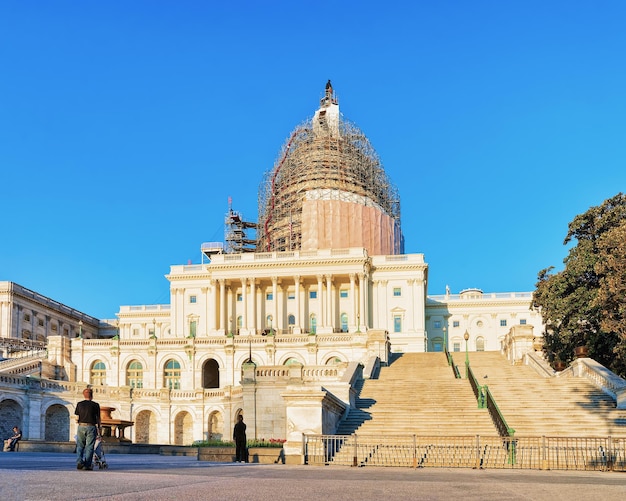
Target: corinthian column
275, 303
320, 301
253, 325
244, 304
297, 328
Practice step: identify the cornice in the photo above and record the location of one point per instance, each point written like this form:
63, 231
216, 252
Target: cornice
475, 304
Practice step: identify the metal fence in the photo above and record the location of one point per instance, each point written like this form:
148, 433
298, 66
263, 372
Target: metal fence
413, 451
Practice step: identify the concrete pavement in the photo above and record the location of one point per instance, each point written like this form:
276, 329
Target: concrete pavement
29, 476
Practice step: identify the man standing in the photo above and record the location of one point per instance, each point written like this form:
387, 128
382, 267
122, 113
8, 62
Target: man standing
239, 435
88, 413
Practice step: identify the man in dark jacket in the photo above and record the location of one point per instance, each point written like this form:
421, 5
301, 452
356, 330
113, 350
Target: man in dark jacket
88, 413
239, 435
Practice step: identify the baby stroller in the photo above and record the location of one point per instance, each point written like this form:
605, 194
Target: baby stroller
98, 455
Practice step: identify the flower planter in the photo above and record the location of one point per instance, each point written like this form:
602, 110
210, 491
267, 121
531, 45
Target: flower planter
560, 366
261, 455
581, 352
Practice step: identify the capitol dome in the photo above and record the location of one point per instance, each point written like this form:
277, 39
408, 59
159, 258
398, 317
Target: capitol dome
328, 190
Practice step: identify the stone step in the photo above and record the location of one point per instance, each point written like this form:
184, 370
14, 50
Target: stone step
418, 394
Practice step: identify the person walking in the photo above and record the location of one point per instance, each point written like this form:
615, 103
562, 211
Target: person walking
239, 435
88, 413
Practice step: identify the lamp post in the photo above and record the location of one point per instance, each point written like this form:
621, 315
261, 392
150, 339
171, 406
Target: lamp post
80, 329
154, 327
445, 340
466, 337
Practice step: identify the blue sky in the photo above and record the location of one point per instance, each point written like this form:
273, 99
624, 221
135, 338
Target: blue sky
125, 126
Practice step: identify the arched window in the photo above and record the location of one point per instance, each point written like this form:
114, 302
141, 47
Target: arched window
312, 323
291, 320
292, 361
211, 374
134, 375
344, 322
98, 373
171, 375
239, 322
268, 321
333, 361
480, 343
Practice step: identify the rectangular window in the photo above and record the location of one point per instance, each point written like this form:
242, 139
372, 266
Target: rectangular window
457, 347
291, 295
455, 323
343, 294
135, 332
239, 297
437, 324
397, 292
54, 327
522, 321
312, 294
503, 322
26, 317
192, 328
192, 299
397, 323
40, 322
269, 296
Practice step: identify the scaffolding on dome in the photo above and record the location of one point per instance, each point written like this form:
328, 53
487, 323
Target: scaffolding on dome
327, 185
236, 232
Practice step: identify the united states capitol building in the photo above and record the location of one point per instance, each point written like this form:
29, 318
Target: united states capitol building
276, 323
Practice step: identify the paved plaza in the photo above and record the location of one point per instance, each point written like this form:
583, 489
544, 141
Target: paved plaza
50, 476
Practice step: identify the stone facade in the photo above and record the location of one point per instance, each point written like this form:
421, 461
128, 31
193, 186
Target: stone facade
279, 337
487, 318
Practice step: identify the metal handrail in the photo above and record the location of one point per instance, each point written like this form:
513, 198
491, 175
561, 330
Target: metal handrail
455, 369
496, 415
485, 399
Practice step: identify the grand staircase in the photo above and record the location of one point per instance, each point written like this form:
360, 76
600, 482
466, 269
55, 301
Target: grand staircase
552, 406
417, 414
417, 394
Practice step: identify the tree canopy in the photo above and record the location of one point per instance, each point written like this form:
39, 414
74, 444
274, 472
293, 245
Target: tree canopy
585, 303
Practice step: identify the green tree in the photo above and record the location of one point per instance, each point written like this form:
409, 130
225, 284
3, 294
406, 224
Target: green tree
584, 304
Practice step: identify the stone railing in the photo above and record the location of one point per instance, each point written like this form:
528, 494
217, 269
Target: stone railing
321, 373
539, 364
256, 341
25, 364
609, 382
489, 296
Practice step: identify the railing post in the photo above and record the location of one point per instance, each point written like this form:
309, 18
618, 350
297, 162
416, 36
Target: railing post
544, 464
354, 458
478, 464
414, 451
609, 460
482, 400
512, 445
